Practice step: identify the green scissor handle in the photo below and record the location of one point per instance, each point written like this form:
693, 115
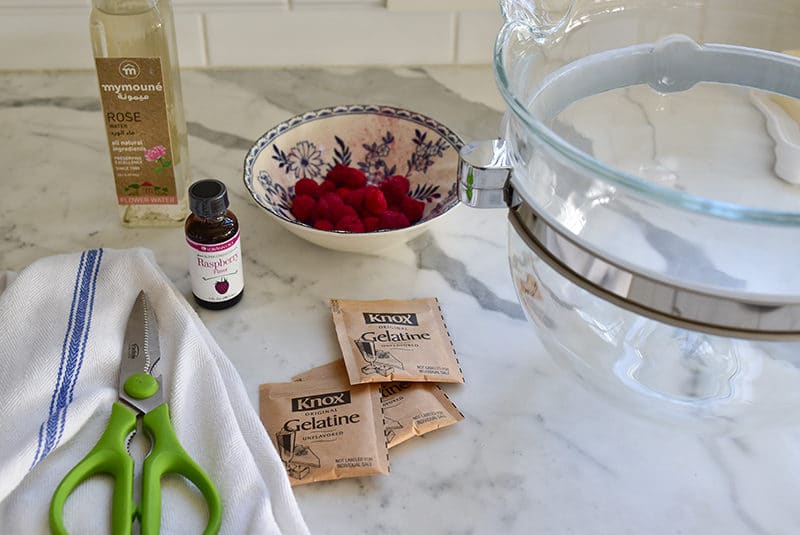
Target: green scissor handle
168, 456
108, 456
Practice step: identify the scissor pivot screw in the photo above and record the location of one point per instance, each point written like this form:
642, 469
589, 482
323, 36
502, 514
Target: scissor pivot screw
141, 385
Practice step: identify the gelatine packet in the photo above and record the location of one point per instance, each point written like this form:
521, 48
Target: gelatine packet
409, 409
324, 429
395, 340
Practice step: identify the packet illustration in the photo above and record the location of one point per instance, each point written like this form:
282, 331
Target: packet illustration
409, 409
395, 340
413, 409
324, 429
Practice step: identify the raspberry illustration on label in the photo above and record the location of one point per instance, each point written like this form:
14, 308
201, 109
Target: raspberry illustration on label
221, 286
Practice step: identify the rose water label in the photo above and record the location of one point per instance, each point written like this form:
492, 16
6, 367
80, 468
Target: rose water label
215, 269
135, 114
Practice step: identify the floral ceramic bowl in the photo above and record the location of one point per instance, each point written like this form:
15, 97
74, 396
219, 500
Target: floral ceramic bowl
380, 140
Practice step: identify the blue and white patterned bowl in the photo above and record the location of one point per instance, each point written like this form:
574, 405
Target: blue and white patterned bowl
380, 140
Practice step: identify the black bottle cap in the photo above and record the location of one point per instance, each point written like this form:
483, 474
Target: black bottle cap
208, 198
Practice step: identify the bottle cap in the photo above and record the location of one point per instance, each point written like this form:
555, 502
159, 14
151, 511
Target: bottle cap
208, 198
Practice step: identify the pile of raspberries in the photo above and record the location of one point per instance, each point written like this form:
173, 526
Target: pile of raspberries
344, 201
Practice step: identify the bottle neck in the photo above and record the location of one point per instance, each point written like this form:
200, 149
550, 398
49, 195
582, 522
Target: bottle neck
124, 7
212, 220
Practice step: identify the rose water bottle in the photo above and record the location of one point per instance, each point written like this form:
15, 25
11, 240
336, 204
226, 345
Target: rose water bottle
215, 260
140, 92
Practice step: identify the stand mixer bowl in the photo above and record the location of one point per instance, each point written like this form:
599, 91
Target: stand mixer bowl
650, 163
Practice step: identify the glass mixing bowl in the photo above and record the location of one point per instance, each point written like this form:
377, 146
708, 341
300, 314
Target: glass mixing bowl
650, 162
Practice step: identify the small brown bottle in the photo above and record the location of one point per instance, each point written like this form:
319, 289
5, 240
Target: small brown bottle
212, 233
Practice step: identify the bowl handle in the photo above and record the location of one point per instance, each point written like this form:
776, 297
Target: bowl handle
484, 175
546, 19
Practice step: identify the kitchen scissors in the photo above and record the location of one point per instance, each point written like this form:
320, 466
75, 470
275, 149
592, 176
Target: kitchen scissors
140, 394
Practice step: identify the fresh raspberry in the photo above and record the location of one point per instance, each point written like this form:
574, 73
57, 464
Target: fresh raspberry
322, 210
393, 220
355, 198
371, 223
336, 204
323, 224
332, 196
327, 186
306, 186
303, 207
342, 192
347, 176
402, 182
329, 206
350, 224
374, 201
394, 188
355, 179
348, 211
337, 173
413, 209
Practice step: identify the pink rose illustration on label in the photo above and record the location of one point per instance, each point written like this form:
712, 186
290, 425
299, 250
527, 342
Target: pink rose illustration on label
157, 154
154, 153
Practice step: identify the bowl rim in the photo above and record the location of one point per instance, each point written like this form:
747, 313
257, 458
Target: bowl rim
503, 65
279, 129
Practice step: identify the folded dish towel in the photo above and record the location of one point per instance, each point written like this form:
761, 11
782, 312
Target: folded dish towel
62, 322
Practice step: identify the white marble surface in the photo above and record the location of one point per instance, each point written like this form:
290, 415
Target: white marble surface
536, 453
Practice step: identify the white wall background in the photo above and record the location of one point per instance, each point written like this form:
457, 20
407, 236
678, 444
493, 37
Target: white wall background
54, 34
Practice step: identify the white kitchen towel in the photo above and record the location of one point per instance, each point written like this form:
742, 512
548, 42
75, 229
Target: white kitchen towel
62, 322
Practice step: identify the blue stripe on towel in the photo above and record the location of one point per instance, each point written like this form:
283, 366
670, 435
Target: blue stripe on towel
82, 348
51, 414
72, 352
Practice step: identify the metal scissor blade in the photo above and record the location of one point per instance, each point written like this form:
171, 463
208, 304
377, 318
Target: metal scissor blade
140, 349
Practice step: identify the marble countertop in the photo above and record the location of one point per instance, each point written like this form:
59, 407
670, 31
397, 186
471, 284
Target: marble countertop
536, 453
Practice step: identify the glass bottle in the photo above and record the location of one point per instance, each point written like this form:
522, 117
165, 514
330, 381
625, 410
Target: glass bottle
212, 234
140, 89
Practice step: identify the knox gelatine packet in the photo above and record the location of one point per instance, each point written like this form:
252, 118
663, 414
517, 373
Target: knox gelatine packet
324, 429
409, 409
395, 340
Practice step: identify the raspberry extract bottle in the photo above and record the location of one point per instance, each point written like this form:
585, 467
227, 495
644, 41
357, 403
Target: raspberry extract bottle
212, 233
